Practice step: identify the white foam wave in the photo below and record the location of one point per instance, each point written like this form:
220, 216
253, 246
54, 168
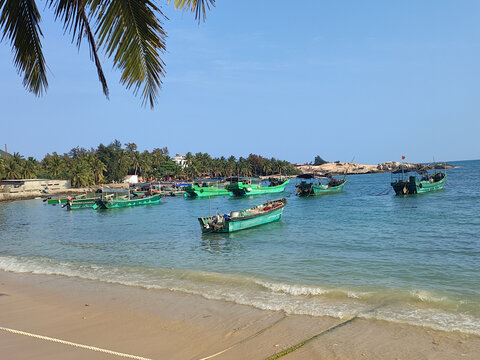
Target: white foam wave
427, 317
293, 289
292, 299
427, 297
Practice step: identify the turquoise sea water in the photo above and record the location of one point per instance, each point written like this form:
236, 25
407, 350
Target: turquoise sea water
404, 259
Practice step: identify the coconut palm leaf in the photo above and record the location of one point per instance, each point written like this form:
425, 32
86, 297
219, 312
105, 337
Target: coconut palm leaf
73, 13
20, 23
199, 7
131, 31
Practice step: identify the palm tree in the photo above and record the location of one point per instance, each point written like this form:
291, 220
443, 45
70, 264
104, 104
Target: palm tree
55, 165
129, 31
145, 164
30, 168
189, 164
17, 157
12, 169
2, 168
98, 168
244, 167
81, 174
267, 167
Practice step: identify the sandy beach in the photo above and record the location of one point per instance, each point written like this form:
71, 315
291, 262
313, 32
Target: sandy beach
97, 319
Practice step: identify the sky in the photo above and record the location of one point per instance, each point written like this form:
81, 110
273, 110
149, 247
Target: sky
365, 80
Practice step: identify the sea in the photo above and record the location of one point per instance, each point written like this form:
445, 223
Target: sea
364, 252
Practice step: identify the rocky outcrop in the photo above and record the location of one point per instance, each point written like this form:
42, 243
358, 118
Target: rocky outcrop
351, 168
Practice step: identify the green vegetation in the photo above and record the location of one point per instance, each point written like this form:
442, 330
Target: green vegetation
130, 32
112, 163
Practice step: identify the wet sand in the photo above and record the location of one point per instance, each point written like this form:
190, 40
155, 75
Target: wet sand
151, 324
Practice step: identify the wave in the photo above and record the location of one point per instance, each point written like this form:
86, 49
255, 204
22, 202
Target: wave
416, 307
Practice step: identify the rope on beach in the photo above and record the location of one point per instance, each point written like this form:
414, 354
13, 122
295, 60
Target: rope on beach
93, 348
244, 340
330, 329
299, 345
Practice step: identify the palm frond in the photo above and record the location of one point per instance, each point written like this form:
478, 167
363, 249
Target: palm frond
75, 20
199, 7
20, 23
131, 31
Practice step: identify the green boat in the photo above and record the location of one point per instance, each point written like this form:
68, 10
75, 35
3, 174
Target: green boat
108, 202
204, 190
245, 219
64, 200
245, 187
315, 187
75, 204
57, 201
428, 182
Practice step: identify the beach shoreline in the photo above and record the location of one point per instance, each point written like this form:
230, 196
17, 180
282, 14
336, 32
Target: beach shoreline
162, 324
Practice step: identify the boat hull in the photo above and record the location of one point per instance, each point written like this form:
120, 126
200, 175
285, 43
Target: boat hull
122, 203
57, 201
81, 204
316, 190
415, 186
249, 223
246, 222
207, 191
241, 189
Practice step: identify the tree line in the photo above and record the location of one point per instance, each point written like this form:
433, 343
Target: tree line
111, 163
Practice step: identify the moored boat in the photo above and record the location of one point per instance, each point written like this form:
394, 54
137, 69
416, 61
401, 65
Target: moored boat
239, 220
84, 203
315, 187
63, 200
204, 190
244, 186
409, 184
108, 202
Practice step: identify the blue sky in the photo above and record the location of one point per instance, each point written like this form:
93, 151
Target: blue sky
373, 80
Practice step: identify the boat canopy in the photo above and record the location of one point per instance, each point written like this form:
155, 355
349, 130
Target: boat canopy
240, 178
401, 171
306, 176
313, 176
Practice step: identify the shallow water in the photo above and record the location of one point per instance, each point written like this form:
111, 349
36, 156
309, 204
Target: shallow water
405, 259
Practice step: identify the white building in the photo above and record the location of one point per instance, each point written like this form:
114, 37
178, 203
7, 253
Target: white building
180, 160
131, 179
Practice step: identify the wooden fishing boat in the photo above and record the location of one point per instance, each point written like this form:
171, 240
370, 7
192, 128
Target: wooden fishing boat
204, 190
88, 200
245, 187
240, 220
63, 200
84, 203
409, 184
316, 187
108, 202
